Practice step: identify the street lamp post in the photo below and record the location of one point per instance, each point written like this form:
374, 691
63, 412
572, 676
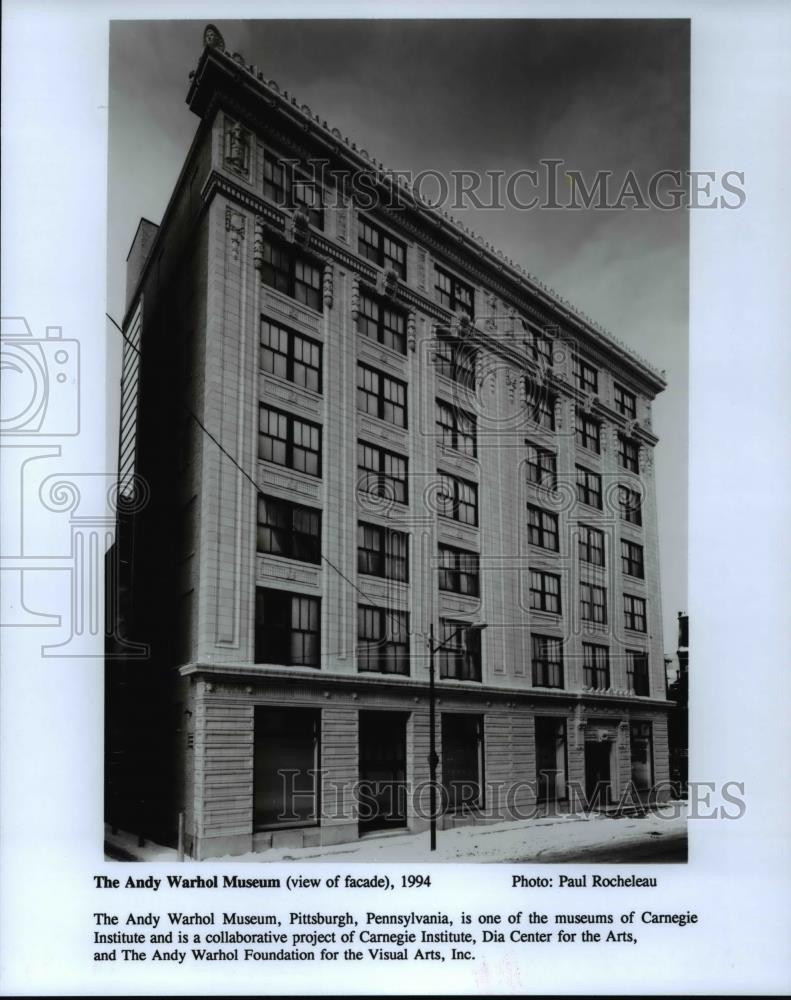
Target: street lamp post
433, 759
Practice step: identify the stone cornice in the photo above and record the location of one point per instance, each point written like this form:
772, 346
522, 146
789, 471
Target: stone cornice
248, 675
455, 242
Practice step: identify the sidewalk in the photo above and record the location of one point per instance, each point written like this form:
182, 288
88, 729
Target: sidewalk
530, 840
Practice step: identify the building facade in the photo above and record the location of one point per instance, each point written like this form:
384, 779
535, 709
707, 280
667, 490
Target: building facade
347, 422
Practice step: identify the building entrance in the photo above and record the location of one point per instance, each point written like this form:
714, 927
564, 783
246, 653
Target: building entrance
382, 796
598, 781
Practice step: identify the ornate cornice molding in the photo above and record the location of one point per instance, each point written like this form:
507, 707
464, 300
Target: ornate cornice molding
326, 683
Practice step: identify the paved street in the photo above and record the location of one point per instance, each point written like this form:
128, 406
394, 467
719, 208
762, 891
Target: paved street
657, 837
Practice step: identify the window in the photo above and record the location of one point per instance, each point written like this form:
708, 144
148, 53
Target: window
285, 186
540, 406
291, 274
640, 745
286, 440
588, 487
542, 528
593, 604
547, 662
540, 348
379, 322
456, 428
595, 666
382, 552
306, 195
632, 559
628, 453
591, 545
587, 431
458, 499
381, 472
544, 592
453, 294
286, 628
586, 376
634, 613
380, 247
285, 766
275, 180
625, 401
460, 659
541, 466
289, 355
630, 504
455, 361
459, 571
637, 671
288, 529
462, 761
381, 396
383, 640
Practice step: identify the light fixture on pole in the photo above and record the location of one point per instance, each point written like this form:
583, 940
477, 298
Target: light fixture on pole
433, 759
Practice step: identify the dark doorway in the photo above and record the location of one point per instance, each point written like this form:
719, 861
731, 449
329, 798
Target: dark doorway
286, 759
462, 761
597, 773
382, 799
551, 759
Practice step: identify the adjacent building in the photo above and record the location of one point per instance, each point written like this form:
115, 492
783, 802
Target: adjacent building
347, 421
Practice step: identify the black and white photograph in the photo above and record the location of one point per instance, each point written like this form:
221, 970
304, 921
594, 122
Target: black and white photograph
390, 395
402, 444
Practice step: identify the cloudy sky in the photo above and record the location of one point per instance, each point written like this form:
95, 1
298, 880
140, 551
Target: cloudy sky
468, 95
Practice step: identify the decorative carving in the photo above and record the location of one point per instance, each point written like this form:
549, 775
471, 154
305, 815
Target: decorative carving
411, 331
258, 242
646, 458
588, 401
327, 284
422, 259
559, 414
235, 227
342, 224
491, 319
464, 324
387, 283
511, 381
355, 296
212, 38
237, 149
298, 228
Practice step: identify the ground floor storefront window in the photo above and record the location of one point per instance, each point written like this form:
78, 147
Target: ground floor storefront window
286, 760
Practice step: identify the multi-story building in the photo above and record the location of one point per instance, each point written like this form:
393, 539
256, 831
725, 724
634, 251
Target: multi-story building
347, 422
